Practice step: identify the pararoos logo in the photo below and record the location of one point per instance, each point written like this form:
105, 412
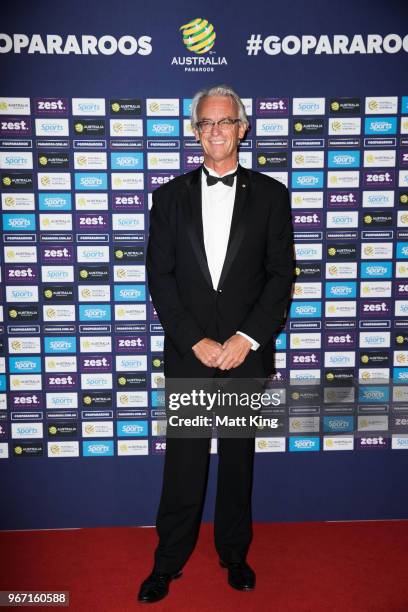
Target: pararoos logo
199, 36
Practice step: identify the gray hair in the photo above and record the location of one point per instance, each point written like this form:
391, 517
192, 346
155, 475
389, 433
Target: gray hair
218, 90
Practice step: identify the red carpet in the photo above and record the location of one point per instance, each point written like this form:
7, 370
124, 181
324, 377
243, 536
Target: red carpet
305, 567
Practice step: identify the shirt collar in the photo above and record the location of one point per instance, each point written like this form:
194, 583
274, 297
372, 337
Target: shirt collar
213, 173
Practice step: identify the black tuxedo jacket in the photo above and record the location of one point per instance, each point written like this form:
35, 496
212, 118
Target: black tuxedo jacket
255, 284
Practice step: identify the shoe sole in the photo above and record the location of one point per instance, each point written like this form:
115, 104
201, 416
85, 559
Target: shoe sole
247, 589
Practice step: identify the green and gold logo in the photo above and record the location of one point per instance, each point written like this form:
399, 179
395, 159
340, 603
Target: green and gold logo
198, 36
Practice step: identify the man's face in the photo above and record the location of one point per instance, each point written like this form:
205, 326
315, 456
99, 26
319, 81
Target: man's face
219, 145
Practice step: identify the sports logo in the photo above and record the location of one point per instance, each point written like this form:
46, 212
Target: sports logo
198, 36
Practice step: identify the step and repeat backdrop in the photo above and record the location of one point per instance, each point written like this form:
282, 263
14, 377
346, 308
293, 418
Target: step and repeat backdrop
94, 116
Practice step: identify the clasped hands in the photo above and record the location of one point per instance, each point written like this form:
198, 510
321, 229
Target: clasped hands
222, 356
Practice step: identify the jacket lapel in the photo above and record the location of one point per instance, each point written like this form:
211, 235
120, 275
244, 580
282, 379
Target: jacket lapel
237, 230
194, 219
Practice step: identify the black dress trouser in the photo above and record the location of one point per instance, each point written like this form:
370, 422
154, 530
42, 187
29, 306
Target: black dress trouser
182, 500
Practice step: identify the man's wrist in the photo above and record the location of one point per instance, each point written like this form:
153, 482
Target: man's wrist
254, 344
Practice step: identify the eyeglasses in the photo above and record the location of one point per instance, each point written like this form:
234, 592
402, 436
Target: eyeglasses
206, 125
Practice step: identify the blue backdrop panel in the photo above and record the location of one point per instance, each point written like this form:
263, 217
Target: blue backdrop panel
94, 116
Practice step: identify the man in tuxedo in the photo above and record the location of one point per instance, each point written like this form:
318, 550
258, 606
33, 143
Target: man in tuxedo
220, 270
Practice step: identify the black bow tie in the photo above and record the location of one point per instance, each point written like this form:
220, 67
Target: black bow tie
228, 179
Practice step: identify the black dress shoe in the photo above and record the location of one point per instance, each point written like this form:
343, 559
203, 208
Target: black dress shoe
156, 587
240, 575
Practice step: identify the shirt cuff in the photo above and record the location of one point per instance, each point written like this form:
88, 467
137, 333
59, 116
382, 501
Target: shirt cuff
254, 343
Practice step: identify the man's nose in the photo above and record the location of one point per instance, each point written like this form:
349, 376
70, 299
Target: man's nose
215, 128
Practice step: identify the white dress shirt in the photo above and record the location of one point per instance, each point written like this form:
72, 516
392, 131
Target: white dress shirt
217, 208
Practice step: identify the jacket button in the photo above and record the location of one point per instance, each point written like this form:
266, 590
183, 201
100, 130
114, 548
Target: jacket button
219, 290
